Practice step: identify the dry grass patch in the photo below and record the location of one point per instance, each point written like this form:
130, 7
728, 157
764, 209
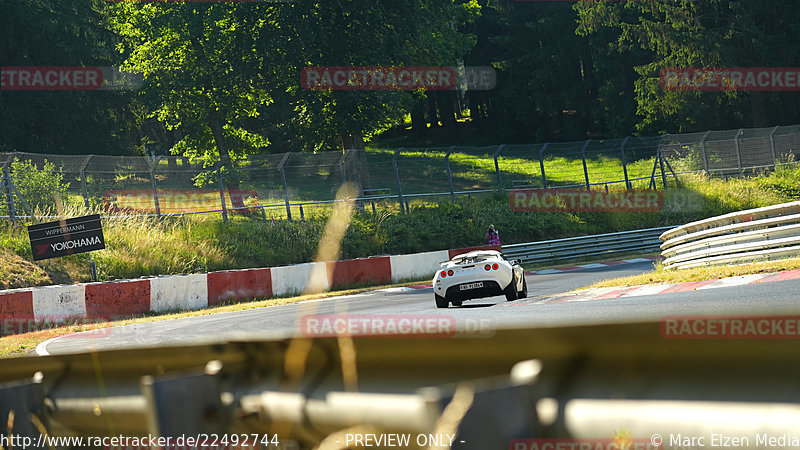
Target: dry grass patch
16, 272
663, 276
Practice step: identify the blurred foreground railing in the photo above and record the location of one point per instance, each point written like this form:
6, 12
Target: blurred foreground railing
483, 391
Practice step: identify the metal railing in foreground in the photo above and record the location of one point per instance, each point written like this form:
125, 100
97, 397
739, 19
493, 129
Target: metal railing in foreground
599, 245
767, 233
578, 382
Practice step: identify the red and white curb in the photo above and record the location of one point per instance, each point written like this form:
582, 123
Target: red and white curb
585, 295
593, 265
22, 309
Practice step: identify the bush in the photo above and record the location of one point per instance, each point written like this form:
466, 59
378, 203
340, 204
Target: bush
43, 189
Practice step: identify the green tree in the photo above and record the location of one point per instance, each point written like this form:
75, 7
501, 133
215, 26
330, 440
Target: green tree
687, 33
224, 65
548, 85
62, 33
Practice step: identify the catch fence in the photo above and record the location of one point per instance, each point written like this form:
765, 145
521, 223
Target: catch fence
293, 185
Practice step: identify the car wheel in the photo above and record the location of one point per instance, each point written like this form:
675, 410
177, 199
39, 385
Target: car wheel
441, 302
457, 303
511, 290
524, 292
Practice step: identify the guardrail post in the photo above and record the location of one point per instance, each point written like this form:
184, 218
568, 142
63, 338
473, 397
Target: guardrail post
583, 158
450, 174
624, 163
739, 150
397, 179
541, 164
222, 194
285, 185
772, 146
497, 165
705, 151
84, 189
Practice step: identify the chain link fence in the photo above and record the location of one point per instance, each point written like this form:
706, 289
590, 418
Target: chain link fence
292, 185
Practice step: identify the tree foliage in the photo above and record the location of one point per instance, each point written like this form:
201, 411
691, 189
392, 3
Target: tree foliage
688, 33
222, 79
62, 33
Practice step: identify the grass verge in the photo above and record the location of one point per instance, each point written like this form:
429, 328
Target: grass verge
664, 276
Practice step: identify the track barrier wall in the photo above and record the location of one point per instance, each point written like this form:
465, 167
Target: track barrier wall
22, 309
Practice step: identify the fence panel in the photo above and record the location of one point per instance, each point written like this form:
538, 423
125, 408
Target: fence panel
120, 184
291, 185
377, 175
604, 162
640, 158
563, 164
423, 170
755, 149
722, 154
787, 143
472, 168
520, 166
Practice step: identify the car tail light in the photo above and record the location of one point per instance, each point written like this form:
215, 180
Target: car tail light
495, 266
444, 274
487, 267
450, 272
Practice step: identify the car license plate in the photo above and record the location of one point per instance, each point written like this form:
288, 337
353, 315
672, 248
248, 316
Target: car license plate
465, 287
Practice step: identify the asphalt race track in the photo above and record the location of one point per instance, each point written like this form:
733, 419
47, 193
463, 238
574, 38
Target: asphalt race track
476, 316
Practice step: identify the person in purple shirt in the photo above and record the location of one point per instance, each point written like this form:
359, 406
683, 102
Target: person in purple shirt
493, 236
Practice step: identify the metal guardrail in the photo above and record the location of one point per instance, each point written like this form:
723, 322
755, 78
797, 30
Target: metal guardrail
756, 234
645, 240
